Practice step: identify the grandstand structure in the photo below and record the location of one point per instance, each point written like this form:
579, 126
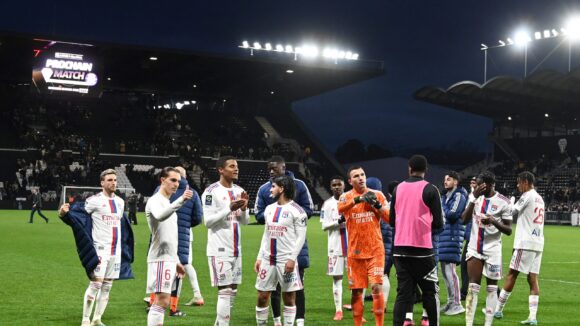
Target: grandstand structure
154, 107
536, 127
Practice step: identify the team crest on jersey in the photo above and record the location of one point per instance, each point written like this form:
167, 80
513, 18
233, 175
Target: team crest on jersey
208, 200
493, 207
285, 214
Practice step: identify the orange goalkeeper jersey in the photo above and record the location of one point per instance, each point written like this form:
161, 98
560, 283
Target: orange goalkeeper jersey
362, 225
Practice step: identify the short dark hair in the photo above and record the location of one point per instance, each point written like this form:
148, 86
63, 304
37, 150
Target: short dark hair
221, 162
165, 171
353, 167
418, 163
454, 175
487, 177
277, 159
527, 176
287, 183
337, 177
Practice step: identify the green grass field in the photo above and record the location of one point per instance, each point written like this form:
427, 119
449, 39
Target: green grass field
43, 282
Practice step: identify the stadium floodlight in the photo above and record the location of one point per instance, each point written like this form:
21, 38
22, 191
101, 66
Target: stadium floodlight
501, 43
348, 55
538, 35
167, 106
108, 78
257, 45
522, 38
546, 115
289, 71
153, 58
179, 105
547, 33
193, 102
310, 51
289, 49
510, 118
355, 56
245, 44
186, 102
194, 86
555, 33
279, 48
268, 47
271, 92
573, 28
298, 50
484, 46
341, 54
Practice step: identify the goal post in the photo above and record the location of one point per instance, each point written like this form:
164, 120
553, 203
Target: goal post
74, 193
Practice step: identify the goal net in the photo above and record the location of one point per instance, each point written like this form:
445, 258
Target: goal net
71, 194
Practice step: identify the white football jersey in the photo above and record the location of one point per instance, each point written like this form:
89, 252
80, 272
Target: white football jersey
337, 235
223, 226
530, 222
162, 221
284, 232
106, 213
486, 239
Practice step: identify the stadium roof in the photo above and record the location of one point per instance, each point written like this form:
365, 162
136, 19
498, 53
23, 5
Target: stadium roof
543, 92
175, 71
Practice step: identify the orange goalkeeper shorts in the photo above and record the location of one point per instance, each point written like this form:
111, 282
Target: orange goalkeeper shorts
363, 271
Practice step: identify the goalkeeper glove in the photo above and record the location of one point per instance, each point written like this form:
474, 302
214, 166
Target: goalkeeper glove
341, 219
371, 198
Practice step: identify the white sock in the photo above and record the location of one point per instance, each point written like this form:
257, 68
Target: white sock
299, 322
155, 316
409, 316
424, 314
386, 288
502, 300
192, 276
262, 316
533, 300
337, 293
223, 306
102, 299
233, 298
277, 320
289, 315
471, 303
89, 299
490, 303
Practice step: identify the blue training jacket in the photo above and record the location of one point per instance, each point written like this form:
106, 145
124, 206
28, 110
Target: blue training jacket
82, 226
386, 229
302, 198
188, 216
451, 239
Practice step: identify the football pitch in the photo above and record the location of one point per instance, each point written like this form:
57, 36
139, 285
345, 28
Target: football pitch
43, 282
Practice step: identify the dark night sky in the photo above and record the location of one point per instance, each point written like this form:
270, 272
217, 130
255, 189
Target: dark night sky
421, 42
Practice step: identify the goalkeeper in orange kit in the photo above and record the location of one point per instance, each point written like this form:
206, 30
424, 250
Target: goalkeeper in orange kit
362, 210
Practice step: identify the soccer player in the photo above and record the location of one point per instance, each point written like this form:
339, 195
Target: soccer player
334, 224
225, 207
490, 212
188, 216
453, 203
107, 222
277, 167
363, 209
163, 264
36, 205
416, 215
284, 236
528, 246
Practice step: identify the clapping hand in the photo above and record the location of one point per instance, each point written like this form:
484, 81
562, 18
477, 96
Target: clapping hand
63, 210
187, 194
